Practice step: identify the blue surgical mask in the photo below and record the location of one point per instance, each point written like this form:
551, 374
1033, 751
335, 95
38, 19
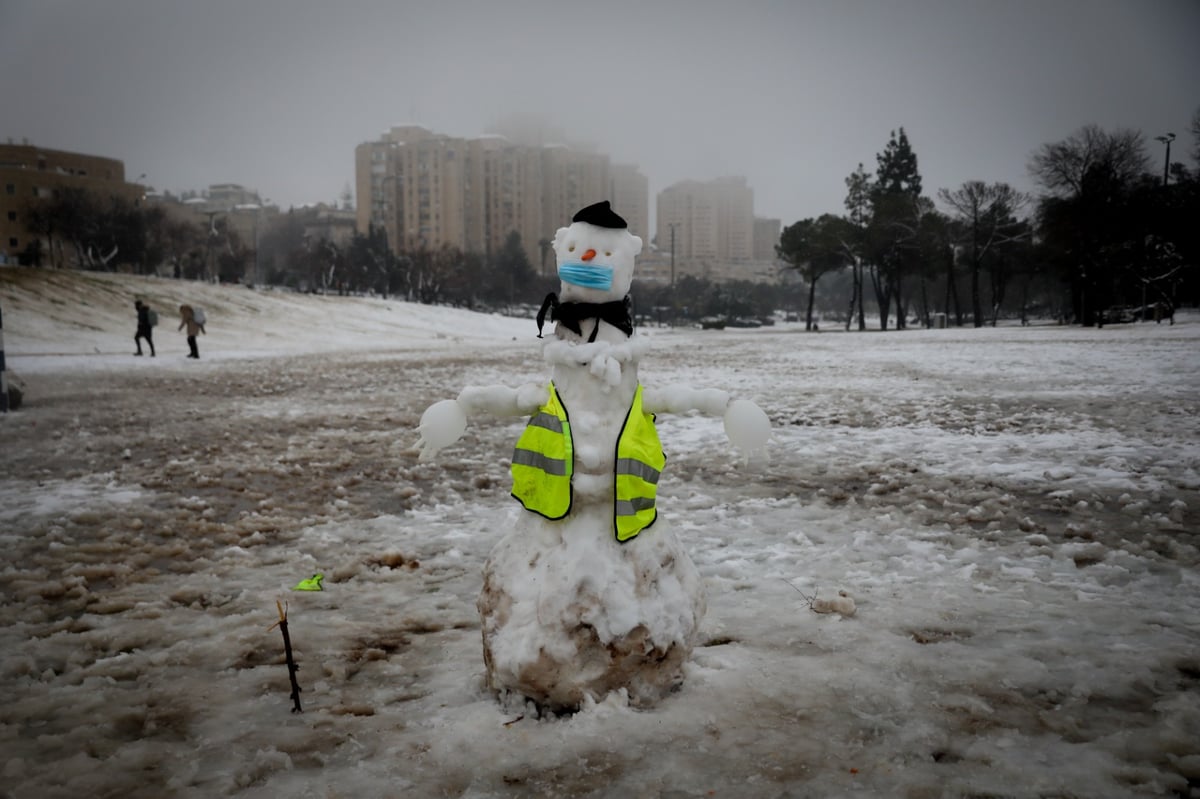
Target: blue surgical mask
589, 277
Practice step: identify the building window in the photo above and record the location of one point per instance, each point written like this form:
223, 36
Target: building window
12, 216
12, 242
10, 188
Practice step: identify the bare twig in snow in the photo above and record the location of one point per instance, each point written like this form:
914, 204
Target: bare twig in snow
843, 603
291, 662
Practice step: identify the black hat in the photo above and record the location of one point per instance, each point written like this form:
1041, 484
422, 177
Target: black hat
600, 214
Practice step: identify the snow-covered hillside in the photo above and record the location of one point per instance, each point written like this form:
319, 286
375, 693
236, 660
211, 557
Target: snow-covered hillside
91, 313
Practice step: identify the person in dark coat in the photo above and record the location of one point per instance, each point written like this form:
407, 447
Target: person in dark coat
144, 328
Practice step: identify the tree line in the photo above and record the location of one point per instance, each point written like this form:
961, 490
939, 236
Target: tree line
87, 231
1108, 239
364, 263
84, 230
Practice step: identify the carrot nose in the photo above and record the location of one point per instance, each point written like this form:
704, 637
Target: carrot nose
589, 255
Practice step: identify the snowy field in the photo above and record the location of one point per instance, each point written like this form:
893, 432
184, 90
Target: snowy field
1015, 512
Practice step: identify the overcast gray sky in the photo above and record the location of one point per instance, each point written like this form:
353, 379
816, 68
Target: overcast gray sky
275, 94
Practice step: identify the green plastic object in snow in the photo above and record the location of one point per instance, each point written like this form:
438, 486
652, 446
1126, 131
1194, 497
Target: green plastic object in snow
311, 584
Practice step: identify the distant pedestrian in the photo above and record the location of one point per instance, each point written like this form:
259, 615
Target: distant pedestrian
145, 328
188, 317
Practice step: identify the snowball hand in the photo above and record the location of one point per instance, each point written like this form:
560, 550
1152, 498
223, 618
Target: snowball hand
441, 425
747, 426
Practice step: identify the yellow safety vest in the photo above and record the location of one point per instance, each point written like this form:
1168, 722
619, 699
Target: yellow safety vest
543, 462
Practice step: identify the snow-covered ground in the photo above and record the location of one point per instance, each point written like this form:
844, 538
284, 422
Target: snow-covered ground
1015, 512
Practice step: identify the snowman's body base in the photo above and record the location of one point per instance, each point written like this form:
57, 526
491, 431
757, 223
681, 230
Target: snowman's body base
569, 613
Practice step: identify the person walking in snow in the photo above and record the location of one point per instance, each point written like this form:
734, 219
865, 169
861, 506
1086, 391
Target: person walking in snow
188, 317
144, 328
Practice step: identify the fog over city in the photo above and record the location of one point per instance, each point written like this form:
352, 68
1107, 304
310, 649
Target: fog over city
275, 95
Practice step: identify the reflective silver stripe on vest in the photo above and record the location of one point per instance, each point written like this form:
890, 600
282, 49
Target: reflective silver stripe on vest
639, 469
546, 421
630, 507
537, 460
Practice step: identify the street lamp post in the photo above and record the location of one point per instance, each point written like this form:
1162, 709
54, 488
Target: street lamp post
257, 268
1082, 295
391, 211
672, 226
1166, 139
258, 218
209, 272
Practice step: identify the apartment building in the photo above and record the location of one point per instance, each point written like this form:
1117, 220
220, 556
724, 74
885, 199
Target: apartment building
766, 237
735, 219
709, 220
630, 197
382, 188
503, 194
713, 231
29, 173
430, 190
572, 179
232, 195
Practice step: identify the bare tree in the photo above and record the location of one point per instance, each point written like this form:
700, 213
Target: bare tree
183, 245
987, 213
1060, 167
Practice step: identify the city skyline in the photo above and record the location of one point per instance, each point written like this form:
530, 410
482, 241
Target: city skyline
276, 96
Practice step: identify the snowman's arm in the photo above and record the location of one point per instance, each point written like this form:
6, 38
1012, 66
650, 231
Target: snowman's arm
502, 400
681, 399
443, 423
746, 425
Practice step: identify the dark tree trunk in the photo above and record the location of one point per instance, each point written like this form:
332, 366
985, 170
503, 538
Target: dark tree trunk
882, 296
812, 296
925, 313
976, 303
999, 289
862, 320
958, 316
855, 293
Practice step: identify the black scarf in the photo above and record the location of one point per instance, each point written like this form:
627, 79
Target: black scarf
616, 313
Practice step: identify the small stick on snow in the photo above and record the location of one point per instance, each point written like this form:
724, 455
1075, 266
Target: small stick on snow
291, 662
807, 598
843, 603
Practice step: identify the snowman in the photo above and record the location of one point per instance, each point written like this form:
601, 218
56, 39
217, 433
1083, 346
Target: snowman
591, 591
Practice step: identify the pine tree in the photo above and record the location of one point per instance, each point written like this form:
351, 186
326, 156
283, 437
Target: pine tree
815, 247
897, 172
895, 221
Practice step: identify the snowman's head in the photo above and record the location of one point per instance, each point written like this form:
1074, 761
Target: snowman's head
595, 256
